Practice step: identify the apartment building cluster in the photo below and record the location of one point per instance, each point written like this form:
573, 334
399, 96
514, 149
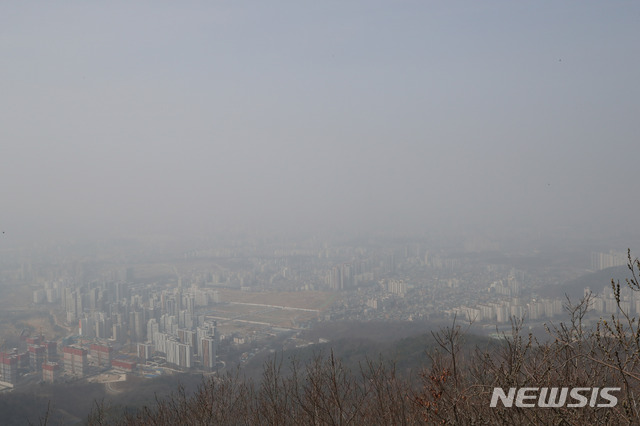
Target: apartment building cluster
181, 345
162, 321
501, 312
40, 356
606, 303
602, 260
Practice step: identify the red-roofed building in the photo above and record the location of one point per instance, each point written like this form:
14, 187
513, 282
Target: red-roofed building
75, 361
8, 368
51, 371
36, 357
101, 354
123, 365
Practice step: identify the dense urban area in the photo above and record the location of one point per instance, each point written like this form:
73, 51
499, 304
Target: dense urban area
333, 212
105, 311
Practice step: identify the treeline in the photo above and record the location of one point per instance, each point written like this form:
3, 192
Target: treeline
456, 386
456, 389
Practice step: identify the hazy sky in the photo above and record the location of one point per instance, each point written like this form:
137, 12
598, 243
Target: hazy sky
160, 117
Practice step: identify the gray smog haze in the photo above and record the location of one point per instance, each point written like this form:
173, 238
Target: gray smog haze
121, 118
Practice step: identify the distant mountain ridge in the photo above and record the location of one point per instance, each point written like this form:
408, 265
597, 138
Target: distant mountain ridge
596, 281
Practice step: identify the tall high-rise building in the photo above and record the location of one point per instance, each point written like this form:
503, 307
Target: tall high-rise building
137, 326
75, 361
152, 327
86, 327
145, 351
8, 368
208, 355
51, 350
341, 277
101, 354
37, 356
178, 353
187, 337
118, 333
206, 330
50, 371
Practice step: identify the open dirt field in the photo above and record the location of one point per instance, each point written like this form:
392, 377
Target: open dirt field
301, 299
277, 309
